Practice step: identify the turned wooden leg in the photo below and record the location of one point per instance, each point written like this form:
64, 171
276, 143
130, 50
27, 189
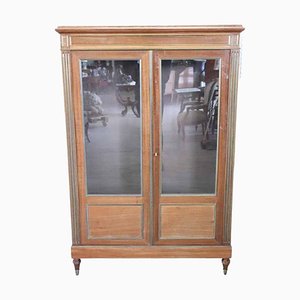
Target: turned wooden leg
76, 262
225, 262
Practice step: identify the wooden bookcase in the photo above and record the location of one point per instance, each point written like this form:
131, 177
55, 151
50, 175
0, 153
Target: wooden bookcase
150, 115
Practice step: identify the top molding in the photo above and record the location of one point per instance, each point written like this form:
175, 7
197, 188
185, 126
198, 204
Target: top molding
150, 29
76, 38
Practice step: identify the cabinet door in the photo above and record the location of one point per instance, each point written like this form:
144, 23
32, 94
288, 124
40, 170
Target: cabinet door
111, 109
189, 141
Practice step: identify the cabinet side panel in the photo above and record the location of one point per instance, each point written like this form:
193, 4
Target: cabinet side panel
72, 159
232, 102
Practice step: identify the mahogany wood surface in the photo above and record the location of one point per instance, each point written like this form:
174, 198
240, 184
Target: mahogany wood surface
118, 201
151, 225
187, 221
222, 136
149, 38
115, 221
151, 252
150, 29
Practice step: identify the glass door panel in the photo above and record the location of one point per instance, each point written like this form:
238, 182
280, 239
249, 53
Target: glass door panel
189, 125
111, 101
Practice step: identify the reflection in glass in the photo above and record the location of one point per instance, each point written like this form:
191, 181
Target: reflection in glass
189, 103
112, 123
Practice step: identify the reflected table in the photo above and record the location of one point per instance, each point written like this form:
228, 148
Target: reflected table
185, 94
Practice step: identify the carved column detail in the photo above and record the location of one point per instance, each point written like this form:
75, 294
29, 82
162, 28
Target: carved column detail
65, 42
232, 99
72, 157
234, 40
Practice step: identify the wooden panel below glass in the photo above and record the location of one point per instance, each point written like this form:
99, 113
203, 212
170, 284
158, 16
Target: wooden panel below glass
115, 221
187, 221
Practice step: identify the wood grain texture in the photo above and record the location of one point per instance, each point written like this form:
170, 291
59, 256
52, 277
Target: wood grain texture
191, 199
222, 144
150, 29
115, 222
71, 142
187, 221
114, 199
119, 199
117, 42
156, 127
149, 38
151, 252
232, 99
114, 227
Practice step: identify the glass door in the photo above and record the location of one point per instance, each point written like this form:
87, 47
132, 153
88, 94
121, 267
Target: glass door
113, 145
189, 133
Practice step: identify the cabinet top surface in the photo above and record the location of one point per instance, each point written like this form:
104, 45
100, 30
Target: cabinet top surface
149, 29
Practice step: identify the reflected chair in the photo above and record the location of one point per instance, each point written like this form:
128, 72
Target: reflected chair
128, 96
93, 111
201, 112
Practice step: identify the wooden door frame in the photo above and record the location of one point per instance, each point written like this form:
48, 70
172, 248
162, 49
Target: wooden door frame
218, 199
85, 200
69, 59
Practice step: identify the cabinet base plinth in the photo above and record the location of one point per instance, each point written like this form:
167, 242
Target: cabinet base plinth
151, 251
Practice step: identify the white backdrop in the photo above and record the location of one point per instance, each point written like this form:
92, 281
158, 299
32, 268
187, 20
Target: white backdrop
35, 235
